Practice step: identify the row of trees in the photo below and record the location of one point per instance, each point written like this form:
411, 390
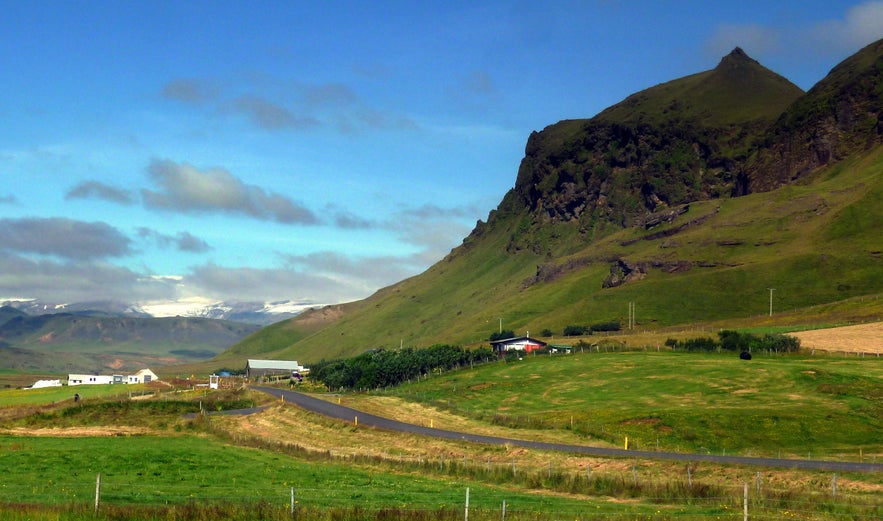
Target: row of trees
574, 330
382, 368
571, 330
739, 342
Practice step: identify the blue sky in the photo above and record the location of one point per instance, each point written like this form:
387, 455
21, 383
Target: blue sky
166, 152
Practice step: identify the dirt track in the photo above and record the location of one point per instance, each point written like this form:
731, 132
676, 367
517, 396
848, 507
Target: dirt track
863, 338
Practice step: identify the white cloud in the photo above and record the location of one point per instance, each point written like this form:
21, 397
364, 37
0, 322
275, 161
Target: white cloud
99, 190
53, 281
184, 188
860, 25
64, 238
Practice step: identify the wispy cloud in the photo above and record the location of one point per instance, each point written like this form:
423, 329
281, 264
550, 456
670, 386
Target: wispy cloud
194, 91
268, 115
99, 190
8, 199
184, 188
183, 241
62, 281
64, 238
861, 24
282, 283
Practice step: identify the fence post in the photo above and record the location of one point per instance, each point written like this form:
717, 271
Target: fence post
757, 483
97, 491
466, 513
745, 502
504, 510
834, 485
292, 502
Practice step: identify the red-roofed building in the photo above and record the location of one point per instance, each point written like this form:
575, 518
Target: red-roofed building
520, 343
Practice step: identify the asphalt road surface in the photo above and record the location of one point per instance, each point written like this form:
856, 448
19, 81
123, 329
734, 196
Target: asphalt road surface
340, 412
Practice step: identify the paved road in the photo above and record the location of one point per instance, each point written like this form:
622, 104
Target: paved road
334, 410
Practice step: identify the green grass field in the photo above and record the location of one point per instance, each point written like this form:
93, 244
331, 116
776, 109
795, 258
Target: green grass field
174, 468
792, 406
50, 395
150, 471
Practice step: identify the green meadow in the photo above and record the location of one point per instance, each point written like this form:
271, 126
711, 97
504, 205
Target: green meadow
157, 458
790, 406
144, 472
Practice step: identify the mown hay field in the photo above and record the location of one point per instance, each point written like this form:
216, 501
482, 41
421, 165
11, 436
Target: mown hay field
862, 338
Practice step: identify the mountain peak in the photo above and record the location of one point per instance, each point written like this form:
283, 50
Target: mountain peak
737, 61
737, 54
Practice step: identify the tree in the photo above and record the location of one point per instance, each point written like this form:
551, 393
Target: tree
573, 330
502, 335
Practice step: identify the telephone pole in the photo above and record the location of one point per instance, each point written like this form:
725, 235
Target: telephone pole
771, 300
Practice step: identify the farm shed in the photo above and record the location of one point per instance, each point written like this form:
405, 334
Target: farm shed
40, 384
520, 343
261, 368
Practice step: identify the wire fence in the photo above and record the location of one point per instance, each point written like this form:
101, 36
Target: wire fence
459, 501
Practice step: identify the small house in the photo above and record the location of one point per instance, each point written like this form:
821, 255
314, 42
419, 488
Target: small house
144, 376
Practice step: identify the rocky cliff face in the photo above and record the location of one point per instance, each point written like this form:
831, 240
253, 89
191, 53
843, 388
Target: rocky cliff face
735, 129
839, 116
677, 142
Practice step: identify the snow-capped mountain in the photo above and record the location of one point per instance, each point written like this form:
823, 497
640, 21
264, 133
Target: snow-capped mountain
261, 313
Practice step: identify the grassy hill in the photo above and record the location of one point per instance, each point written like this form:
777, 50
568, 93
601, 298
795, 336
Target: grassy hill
648, 203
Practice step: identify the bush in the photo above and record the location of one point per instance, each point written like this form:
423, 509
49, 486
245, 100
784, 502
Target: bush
575, 330
700, 344
502, 335
613, 325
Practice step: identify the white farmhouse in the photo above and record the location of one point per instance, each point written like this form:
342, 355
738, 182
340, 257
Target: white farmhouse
141, 377
144, 376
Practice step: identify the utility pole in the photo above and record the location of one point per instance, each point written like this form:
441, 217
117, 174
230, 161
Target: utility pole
771, 300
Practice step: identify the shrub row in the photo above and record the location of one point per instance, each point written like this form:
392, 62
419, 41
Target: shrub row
382, 368
739, 342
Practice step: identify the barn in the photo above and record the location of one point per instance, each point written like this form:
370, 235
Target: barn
257, 369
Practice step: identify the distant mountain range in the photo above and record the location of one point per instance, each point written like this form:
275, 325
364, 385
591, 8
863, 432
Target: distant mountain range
260, 313
102, 336
96, 341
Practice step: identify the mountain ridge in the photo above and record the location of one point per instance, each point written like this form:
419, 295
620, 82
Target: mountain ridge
651, 201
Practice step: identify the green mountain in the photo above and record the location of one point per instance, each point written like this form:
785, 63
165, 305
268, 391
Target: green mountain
681, 202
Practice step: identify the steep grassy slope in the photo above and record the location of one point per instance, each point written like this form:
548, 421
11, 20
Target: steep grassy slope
814, 244
839, 116
634, 206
